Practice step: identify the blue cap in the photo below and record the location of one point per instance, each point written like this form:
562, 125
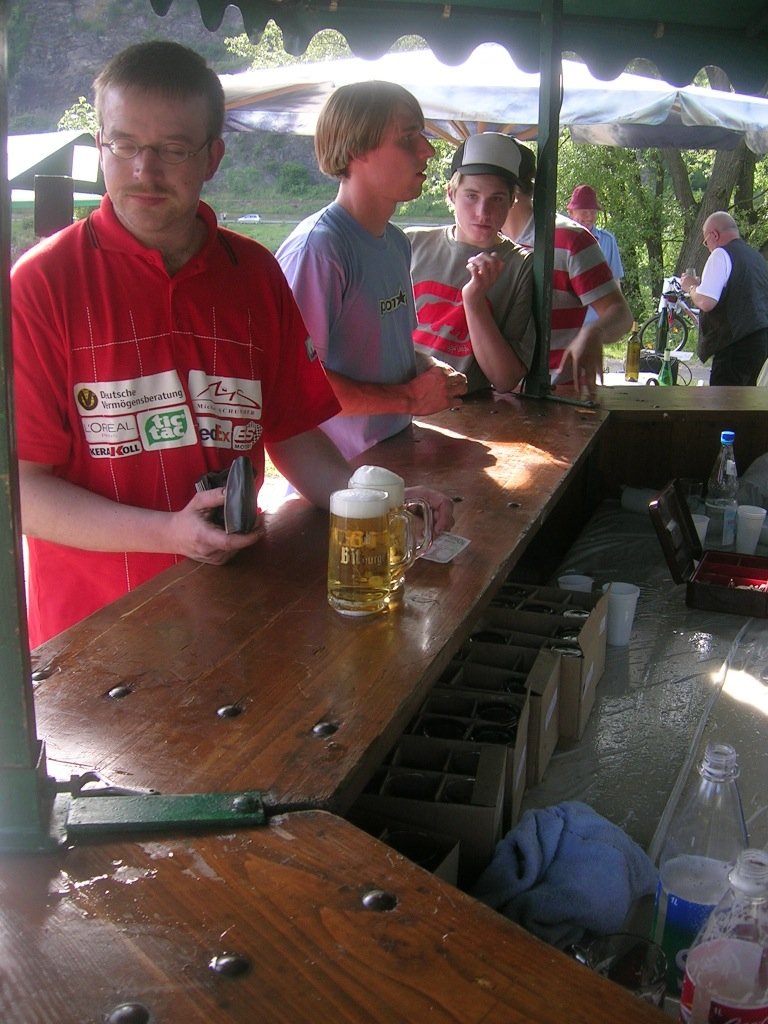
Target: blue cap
727, 437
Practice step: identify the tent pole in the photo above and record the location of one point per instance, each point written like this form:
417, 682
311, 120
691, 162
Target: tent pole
545, 191
25, 794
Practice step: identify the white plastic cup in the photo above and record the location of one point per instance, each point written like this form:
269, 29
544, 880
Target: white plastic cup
622, 601
749, 524
574, 581
380, 479
701, 523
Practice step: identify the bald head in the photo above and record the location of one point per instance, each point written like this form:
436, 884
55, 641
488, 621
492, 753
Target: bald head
719, 229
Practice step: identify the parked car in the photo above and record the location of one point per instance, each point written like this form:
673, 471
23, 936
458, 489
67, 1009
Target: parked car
249, 218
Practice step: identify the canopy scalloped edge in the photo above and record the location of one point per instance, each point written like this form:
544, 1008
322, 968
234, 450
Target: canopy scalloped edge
679, 48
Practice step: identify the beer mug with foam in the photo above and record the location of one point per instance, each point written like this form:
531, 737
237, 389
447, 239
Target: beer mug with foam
359, 542
382, 479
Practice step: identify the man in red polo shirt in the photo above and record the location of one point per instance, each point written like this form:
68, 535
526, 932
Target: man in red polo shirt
151, 347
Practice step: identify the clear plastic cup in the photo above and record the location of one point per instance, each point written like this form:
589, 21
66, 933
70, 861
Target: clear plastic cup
701, 523
749, 524
575, 581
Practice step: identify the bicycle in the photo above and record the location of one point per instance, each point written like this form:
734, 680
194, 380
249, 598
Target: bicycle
670, 325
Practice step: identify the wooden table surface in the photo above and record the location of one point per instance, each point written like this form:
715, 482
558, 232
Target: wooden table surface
138, 924
258, 635
89, 928
638, 401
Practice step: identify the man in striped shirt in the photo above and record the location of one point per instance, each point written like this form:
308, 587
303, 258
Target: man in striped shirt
580, 278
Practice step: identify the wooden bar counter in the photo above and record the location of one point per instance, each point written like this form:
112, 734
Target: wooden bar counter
320, 697
224, 679
127, 933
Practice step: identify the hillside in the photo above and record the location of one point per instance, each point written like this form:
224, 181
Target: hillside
57, 47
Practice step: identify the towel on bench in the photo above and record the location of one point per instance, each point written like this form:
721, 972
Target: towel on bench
565, 870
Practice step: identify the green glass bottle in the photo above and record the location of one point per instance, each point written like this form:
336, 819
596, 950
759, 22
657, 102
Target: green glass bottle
665, 373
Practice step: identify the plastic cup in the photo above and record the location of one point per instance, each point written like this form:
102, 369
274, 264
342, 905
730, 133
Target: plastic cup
701, 523
749, 524
574, 581
622, 601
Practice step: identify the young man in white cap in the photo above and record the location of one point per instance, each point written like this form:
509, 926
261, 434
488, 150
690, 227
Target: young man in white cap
474, 288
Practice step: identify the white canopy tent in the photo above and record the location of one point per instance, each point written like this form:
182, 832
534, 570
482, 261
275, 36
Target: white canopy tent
488, 92
71, 153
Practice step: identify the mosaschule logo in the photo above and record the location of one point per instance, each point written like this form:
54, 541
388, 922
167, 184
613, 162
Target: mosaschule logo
165, 427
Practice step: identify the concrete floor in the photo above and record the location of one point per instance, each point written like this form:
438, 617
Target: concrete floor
688, 676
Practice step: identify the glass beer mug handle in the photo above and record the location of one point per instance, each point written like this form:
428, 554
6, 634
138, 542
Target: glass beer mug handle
408, 540
426, 519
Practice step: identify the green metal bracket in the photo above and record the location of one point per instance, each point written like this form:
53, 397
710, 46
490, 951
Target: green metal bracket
26, 808
90, 815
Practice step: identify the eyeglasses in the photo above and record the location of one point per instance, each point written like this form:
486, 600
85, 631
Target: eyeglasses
710, 232
168, 152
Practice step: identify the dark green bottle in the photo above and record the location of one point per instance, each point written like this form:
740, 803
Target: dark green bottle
665, 373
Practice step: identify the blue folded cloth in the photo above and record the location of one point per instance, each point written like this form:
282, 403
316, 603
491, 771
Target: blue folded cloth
566, 870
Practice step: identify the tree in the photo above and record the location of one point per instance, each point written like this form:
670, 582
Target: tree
80, 116
269, 51
328, 44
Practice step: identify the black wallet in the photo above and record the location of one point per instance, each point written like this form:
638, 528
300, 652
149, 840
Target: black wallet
238, 513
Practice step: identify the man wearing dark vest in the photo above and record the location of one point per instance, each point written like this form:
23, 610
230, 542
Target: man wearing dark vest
733, 298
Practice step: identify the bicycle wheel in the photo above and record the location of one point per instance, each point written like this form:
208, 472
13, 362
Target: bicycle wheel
677, 333
648, 331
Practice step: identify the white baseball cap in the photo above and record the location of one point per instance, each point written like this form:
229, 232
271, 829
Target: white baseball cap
488, 153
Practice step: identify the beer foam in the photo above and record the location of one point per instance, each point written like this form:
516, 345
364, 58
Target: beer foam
380, 478
359, 503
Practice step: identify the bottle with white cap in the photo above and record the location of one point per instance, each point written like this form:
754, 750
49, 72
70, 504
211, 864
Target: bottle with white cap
720, 504
702, 844
726, 973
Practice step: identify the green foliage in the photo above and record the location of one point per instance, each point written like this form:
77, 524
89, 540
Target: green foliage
432, 201
80, 116
269, 51
293, 178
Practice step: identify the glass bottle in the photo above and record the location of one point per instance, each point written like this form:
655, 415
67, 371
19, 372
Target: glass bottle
720, 503
726, 973
665, 373
632, 363
701, 847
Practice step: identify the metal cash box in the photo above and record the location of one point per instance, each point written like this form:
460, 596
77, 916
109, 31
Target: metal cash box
718, 581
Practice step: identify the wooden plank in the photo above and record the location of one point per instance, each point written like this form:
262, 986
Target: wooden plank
259, 635
95, 927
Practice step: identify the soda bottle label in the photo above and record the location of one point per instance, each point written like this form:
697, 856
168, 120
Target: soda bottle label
682, 921
722, 984
721, 1013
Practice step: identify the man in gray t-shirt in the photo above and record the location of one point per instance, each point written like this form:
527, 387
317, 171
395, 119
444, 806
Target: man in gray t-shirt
349, 267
